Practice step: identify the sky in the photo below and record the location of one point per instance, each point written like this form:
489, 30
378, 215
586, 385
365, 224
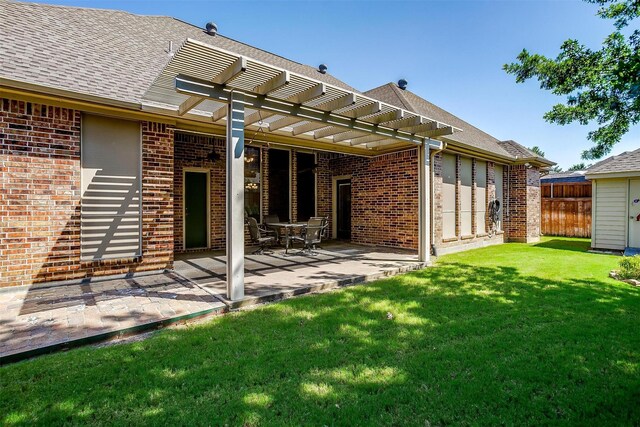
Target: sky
450, 52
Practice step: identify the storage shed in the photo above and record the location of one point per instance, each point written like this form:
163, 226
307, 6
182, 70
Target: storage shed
616, 202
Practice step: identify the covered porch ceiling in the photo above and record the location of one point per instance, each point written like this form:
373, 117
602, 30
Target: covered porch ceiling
198, 81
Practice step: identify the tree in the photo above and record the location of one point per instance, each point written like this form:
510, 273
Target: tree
600, 85
578, 167
537, 150
555, 169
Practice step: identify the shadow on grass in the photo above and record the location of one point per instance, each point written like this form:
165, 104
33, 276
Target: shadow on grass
576, 245
466, 345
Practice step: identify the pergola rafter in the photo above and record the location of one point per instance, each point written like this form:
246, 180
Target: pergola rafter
202, 82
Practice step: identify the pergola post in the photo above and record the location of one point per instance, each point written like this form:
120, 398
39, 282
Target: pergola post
424, 223
235, 197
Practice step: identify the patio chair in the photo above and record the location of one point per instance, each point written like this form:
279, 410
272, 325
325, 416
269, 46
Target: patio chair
325, 224
270, 219
311, 235
259, 236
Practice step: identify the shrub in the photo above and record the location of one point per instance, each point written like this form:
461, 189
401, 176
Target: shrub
630, 267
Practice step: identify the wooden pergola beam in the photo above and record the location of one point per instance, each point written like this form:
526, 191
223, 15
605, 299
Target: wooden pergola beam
236, 68
273, 84
189, 104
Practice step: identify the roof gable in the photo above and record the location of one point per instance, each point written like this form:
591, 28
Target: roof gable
470, 135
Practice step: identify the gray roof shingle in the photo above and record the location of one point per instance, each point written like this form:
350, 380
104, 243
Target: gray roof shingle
117, 55
628, 161
560, 177
470, 135
106, 53
519, 151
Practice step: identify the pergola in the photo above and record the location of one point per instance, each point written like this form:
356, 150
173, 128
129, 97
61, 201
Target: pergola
208, 84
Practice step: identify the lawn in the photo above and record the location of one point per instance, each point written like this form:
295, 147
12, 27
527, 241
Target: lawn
514, 334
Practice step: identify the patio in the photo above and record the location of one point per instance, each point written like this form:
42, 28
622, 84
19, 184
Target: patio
45, 318
276, 275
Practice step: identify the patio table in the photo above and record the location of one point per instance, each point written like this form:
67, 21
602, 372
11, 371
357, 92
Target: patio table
288, 227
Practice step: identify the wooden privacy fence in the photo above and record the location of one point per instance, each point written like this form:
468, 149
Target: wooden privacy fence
567, 216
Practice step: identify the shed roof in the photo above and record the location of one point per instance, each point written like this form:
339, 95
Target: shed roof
628, 161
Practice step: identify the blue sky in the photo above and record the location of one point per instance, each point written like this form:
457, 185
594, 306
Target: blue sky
451, 52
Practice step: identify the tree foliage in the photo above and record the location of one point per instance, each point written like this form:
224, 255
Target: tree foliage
578, 167
601, 86
537, 150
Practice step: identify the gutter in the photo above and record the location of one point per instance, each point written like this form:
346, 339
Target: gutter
49, 90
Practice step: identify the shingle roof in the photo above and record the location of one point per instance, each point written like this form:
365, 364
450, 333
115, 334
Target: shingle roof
118, 55
106, 53
520, 151
626, 162
574, 176
470, 135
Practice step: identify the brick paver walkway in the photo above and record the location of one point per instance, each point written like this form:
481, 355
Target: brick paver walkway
49, 315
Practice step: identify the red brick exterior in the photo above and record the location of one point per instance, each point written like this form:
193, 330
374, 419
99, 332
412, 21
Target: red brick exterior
191, 151
40, 197
522, 222
384, 197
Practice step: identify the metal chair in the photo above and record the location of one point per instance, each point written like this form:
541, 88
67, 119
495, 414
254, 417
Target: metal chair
271, 219
325, 224
259, 237
311, 235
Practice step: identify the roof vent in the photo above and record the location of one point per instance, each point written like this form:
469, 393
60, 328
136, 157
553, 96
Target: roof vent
212, 28
402, 84
322, 69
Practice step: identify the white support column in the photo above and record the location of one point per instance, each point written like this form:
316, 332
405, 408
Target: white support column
424, 223
235, 197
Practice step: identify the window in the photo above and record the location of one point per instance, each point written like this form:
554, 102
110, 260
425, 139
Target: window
252, 182
279, 183
465, 196
110, 192
448, 196
481, 196
306, 185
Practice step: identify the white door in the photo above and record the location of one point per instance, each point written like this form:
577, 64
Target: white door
634, 213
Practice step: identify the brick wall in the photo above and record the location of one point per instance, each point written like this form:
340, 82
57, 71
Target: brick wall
384, 197
191, 151
522, 187
40, 197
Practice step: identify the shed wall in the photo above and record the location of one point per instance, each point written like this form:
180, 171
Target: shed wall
609, 207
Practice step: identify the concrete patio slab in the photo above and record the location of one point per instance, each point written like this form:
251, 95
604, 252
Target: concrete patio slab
48, 317
277, 275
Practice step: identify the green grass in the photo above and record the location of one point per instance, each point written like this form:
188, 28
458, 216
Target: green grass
514, 334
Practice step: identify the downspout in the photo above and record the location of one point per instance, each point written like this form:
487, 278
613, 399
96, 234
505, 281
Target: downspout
432, 155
